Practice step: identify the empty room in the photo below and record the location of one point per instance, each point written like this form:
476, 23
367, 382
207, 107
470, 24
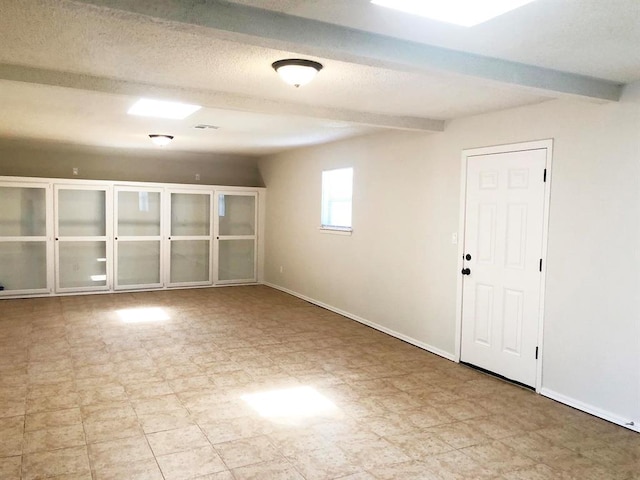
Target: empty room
319, 239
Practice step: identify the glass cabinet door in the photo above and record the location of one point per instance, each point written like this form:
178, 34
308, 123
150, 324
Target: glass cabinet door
138, 240
236, 226
24, 229
190, 236
82, 231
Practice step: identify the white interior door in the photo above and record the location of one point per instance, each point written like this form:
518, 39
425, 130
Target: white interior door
503, 245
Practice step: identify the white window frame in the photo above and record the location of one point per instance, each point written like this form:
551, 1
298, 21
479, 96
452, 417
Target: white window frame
335, 229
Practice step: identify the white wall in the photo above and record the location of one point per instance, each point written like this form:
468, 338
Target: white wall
398, 270
23, 158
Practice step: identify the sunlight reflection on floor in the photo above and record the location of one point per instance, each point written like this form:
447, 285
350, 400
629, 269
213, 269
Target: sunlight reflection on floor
143, 315
290, 404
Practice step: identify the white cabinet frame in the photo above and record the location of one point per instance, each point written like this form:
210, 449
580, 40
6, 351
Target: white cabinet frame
120, 238
219, 237
170, 238
47, 238
52, 187
107, 238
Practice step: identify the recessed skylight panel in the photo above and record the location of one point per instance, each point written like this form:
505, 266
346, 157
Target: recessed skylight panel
162, 109
459, 12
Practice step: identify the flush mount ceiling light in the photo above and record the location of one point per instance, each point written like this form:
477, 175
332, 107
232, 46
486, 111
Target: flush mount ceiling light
459, 12
161, 140
295, 71
162, 109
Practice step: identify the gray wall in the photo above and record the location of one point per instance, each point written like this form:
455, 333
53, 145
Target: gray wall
51, 160
398, 269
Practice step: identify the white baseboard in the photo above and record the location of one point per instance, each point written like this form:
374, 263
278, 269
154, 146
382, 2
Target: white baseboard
585, 407
364, 321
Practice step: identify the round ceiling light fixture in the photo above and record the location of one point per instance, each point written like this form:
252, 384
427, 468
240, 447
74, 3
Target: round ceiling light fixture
296, 71
161, 140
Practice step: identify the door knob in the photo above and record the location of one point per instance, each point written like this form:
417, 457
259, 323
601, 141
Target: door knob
466, 271
467, 257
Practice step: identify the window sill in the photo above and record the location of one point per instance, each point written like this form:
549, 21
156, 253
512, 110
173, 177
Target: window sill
336, 230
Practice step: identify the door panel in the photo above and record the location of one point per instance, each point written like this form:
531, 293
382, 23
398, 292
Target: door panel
512, 324
503, 235
483, 314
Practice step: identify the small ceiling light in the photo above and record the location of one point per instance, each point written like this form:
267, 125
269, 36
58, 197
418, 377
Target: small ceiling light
466, 13
295, 71
146, 107
161, 140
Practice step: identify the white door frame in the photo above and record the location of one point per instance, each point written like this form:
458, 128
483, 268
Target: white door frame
514, 147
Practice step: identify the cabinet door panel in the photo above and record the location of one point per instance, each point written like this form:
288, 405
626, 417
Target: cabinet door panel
236, 260
236, 239
81, 213
236, 214
23, 212
23, 265
82, 264
138, 263
83, 237
138, 213
190, 261
25, 239
190, 236
190, 214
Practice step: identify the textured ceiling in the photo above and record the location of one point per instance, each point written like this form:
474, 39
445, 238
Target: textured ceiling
597, 38
70, 69
91, 118
127, 47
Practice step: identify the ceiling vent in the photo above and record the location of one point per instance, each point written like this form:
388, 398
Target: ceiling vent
204, 126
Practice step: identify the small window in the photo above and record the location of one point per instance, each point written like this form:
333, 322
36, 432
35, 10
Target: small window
337, 188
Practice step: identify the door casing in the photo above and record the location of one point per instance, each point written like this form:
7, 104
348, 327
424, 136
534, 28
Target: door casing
514, 147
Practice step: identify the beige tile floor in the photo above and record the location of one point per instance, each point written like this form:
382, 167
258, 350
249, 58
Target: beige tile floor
93, 387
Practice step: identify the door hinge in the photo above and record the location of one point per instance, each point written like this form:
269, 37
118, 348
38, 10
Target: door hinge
536, 353
540, 264
544, 176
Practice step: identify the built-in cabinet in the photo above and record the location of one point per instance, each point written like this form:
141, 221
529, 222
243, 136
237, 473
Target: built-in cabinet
236, 237
25, 246
65, 236
82, 232
138, 258
190, 238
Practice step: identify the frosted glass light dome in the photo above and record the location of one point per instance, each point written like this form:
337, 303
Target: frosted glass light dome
296, 71
161, 140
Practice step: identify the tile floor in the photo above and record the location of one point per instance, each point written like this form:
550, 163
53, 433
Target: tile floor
168, 385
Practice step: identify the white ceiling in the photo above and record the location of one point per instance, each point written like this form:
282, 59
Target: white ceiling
69, 70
